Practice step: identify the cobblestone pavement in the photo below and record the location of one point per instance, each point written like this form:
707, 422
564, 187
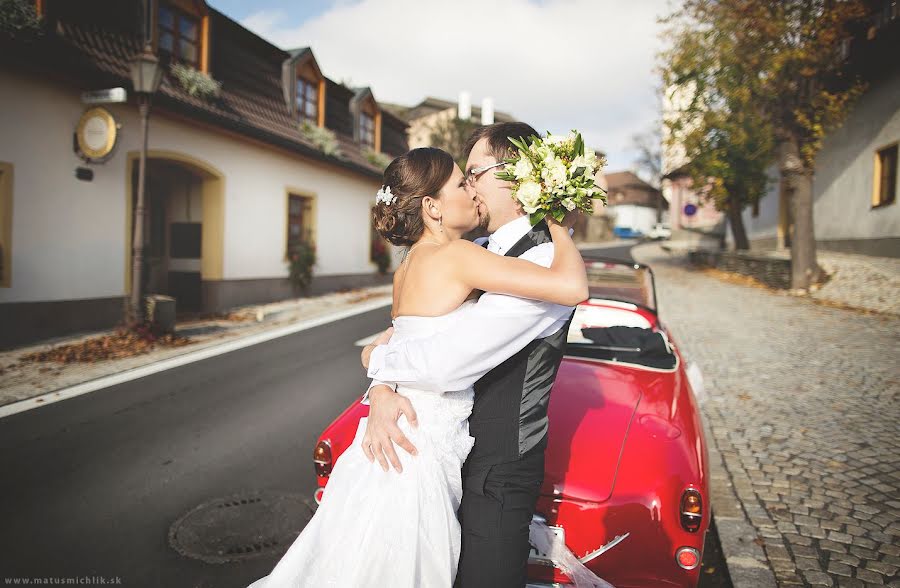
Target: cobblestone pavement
803, 405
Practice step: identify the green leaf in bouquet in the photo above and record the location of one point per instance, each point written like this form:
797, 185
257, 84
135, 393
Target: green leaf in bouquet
536, 217
559, 214
519, 143
579, 171
579, 144
530, 157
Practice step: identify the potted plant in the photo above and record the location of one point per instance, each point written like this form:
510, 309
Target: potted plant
301, 259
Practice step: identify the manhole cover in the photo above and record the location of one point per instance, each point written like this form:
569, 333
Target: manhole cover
241, 527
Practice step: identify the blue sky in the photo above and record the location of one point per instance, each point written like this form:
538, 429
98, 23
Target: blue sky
295, 11
556, 64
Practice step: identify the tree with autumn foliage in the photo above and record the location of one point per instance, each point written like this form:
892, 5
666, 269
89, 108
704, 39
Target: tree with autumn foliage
713, 119
776, 65
729, 154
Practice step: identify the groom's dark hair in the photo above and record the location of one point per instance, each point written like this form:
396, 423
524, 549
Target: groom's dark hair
498, 135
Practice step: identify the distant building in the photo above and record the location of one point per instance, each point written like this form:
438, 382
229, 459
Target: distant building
687, 210
232, 180
633, 204
426, 116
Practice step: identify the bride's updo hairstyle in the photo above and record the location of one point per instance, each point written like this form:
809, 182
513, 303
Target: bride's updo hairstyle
412, 176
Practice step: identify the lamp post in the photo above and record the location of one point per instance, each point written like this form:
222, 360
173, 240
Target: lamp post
146, 75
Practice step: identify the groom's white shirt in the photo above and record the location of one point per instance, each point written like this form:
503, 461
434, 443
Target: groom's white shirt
497, 327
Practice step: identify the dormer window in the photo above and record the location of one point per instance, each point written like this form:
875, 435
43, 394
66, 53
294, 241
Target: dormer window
367, 119
182, 31
304, 87
367, 129
308, 100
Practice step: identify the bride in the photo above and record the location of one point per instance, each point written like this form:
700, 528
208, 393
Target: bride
384, 528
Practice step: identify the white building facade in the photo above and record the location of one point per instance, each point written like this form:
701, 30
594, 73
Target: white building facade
223, 204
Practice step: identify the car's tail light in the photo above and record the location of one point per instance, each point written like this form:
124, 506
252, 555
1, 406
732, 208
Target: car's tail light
322, 458
691, 510
688, 558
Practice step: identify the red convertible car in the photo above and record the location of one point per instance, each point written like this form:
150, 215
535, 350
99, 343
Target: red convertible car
626, 483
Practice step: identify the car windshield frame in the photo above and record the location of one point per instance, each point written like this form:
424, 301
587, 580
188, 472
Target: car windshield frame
595, 290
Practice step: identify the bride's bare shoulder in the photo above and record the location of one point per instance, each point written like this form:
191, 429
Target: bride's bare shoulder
464, 248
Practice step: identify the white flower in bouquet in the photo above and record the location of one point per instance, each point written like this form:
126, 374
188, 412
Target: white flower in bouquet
524, 169
589, 159
554, 139
554, 175
543, 153
529, 194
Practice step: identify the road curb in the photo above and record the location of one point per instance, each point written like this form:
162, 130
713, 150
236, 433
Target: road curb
203, 352
745, 559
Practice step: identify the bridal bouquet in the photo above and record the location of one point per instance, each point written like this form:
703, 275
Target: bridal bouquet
554, 175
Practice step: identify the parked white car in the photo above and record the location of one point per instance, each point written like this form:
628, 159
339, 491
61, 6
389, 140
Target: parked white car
659, 231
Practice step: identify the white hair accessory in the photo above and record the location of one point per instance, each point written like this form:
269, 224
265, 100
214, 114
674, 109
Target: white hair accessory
384, 195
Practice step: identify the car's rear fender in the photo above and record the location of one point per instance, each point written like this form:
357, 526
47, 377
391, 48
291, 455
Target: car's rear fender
340, 433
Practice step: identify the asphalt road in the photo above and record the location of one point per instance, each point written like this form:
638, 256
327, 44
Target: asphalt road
91, 485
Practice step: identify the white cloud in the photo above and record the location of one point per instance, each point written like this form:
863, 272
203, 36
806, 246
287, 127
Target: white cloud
557, 64
264, 20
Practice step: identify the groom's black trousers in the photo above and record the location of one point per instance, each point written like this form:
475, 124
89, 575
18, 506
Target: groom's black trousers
495, 512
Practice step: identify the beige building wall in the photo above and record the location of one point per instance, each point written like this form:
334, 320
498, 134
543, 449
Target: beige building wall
420, 130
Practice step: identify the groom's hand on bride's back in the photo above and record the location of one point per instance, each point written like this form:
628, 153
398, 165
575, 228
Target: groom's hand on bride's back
382, 432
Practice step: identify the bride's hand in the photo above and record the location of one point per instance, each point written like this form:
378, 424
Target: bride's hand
382, 432
384, 337
568, 222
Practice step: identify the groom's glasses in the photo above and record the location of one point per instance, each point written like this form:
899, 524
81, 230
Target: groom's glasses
473, 174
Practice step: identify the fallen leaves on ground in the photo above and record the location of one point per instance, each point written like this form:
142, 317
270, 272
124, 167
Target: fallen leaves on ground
116, 346
365, 296
734, 278
240, 316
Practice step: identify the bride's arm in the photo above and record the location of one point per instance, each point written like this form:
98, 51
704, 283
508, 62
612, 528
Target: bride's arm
564, 282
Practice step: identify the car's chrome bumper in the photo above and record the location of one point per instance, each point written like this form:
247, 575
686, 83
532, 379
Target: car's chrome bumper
542, 585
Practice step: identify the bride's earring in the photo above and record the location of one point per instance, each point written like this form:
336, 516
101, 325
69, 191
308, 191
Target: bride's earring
441, 223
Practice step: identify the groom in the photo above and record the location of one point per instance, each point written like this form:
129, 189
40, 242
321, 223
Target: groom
504, 471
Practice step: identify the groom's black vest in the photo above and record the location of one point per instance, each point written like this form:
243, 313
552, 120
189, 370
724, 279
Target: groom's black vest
509, 417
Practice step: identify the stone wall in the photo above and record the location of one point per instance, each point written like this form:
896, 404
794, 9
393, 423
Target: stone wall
774, 272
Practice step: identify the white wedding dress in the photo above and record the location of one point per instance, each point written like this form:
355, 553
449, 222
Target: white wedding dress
377, 528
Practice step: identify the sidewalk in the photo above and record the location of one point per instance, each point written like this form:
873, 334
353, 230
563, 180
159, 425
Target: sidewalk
861, 282
802, 407
21, 380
